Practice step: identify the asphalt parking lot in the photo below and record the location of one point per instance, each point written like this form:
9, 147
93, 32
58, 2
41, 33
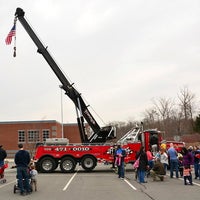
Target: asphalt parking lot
102, 183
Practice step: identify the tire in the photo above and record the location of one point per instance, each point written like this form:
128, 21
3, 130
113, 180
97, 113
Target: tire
47, 164
67, 164
88, 163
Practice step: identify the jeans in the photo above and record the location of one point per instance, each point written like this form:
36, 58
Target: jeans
141, 175
165, 167
23, 179
1, 163
173, 166
196, 170
121, 170
199, 171
150, 163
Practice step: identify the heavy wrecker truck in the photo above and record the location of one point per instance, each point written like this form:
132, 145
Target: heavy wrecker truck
93, 148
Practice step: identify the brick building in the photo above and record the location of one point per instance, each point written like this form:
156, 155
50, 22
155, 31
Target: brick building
31, 132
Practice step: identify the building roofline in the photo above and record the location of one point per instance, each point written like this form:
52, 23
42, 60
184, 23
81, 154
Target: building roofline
27, 122
38, 121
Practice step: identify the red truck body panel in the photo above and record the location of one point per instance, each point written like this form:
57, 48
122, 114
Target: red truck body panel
100, 152
88, 155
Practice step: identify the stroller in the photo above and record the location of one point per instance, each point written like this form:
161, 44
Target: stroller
2, 168
16, 186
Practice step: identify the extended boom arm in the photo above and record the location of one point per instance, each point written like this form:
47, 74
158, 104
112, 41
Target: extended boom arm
99, 134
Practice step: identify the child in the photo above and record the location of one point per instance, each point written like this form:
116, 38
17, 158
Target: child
33, 174
187, 174
180, 166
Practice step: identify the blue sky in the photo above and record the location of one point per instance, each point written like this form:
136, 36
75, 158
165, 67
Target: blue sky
120, 55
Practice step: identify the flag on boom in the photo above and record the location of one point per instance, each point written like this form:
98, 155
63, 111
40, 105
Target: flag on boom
11, 34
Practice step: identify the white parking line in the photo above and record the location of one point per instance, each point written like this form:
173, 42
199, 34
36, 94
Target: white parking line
130, 184
70, 180
194, 183
5, 184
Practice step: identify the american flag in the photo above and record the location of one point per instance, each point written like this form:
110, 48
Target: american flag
10, 35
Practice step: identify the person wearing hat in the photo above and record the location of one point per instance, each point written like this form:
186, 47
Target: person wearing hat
3, 155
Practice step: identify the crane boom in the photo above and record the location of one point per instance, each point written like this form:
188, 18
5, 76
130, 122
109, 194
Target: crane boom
99, 134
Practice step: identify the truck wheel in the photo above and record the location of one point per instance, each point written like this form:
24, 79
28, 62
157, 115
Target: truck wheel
67, 164
88, 163
47, 165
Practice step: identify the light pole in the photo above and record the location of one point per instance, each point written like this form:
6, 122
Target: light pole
61, 103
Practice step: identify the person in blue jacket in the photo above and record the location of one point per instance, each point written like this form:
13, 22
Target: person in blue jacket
173, 157
22, 160
120, 154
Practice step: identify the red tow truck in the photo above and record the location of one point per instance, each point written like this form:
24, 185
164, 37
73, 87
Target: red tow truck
55, 152
94, 148
49, 155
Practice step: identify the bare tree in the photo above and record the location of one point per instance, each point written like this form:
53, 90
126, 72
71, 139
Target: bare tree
176, 119
164, 109
187, 106
186, 99
151, 118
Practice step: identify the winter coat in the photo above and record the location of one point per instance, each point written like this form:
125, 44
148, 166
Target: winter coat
3, 154
22, 158
143, 163
188, 159
158, 168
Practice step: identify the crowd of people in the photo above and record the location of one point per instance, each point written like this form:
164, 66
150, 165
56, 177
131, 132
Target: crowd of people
153, 162
156, 162
180, 163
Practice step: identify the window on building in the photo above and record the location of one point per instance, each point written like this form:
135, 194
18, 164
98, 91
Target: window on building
45, 135
21, 136
33, 136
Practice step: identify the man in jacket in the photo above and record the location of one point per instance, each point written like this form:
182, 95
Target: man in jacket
22, 160
158, 170
3, 155
172, 153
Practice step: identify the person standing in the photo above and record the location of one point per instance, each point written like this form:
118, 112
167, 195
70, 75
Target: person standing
150, 159
33, 174
143, 165
172, 153
196, 162
154, 143
22, 160
188, 159
119, 161
164, 158
3, 155
187, 175
113, 152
